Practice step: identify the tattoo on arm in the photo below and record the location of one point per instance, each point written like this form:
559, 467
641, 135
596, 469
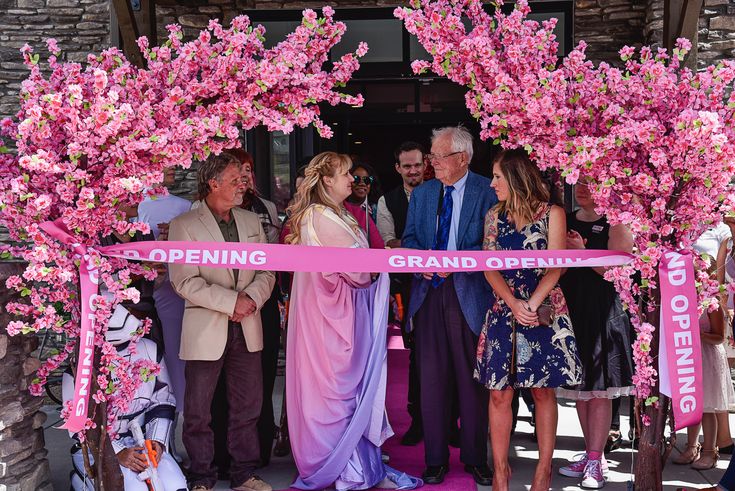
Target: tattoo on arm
491, 231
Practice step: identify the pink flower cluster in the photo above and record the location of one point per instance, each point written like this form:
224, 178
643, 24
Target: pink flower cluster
91, 139
656, 141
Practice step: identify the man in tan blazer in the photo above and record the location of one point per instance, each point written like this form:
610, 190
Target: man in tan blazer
221, 330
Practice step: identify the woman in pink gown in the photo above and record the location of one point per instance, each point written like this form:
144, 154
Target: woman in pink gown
336, 349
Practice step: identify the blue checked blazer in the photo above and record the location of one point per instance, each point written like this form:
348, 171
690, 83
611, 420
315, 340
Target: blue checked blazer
473, 291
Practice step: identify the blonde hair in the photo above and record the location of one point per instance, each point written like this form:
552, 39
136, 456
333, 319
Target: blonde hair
526, 188
313, 192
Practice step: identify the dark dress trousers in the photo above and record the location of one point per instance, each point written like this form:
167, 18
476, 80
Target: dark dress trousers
445, 329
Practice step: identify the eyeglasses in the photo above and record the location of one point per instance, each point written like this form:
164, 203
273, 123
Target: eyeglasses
432, 157
366, 180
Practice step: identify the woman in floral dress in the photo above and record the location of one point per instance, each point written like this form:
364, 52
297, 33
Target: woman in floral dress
527, 340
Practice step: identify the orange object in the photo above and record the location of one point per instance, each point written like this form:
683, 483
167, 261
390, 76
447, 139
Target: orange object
399, 307
152, 454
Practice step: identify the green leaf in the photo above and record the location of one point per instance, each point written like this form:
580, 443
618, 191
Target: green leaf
445, 65
651, 400
25, 292
34, 59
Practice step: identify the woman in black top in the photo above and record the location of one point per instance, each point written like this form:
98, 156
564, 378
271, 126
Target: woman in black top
602, 330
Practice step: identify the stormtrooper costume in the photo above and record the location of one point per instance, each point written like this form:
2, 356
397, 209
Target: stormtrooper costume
153, 408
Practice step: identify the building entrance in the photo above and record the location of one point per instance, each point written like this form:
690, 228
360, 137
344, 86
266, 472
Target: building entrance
398, 106
394, 112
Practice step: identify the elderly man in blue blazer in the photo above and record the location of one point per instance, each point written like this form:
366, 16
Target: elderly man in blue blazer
447, 309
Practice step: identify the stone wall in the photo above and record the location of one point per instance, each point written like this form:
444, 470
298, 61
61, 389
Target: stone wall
608, 25
195, 18
623, 20
80, 26
23, 463
716, 31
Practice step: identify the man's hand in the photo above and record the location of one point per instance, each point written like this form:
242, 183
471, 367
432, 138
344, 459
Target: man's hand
159, 449
244, 307
163, 231
429, 276
133, 459
393, 244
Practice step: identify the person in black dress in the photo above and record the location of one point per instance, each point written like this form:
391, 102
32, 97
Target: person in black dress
602, 330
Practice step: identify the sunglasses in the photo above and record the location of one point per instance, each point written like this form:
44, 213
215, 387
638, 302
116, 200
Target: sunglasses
366, 180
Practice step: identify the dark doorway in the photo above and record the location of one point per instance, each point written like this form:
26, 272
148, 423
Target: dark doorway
396, 111
375, 144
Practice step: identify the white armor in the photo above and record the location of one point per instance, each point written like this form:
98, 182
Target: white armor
153, 408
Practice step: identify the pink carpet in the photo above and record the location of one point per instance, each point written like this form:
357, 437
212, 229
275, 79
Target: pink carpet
411, 459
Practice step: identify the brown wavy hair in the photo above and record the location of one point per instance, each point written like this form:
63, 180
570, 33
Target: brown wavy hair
312, 190
527, 190
212, 168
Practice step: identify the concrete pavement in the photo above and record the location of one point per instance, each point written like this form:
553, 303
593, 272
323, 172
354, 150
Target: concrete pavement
523, 456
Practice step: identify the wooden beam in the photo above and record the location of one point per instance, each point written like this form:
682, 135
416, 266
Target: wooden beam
689, 23
146, 20
681, 20
128, 32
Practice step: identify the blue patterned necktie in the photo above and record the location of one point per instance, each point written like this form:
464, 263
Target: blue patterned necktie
442, 230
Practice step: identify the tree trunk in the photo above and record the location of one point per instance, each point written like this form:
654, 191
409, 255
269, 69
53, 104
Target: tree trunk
106, 465
652, 450
649, 465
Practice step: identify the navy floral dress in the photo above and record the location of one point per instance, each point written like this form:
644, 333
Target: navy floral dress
545, 356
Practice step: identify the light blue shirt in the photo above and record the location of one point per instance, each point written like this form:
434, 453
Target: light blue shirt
163, 209
457, 197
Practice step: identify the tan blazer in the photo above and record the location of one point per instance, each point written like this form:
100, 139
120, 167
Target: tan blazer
211, 293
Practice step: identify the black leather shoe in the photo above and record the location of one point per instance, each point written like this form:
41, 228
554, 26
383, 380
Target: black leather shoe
413, 436
480, 473
434, 474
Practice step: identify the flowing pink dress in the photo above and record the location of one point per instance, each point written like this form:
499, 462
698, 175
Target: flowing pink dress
336, 368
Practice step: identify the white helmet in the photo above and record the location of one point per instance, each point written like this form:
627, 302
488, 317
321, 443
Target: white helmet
122, 326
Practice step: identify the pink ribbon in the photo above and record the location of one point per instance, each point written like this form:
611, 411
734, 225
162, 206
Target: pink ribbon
89, 290
680, 351
275, 257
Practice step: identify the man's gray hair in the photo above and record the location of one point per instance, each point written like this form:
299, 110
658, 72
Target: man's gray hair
212, 168
461, 139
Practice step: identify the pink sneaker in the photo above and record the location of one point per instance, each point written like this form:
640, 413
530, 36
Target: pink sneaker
576, 469
593, 478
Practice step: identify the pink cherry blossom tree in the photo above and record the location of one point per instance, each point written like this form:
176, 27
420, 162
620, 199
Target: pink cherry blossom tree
656, 140
93, 140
